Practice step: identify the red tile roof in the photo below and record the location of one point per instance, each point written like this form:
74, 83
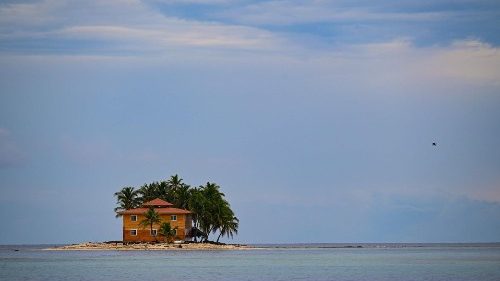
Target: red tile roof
157, 203
161, 211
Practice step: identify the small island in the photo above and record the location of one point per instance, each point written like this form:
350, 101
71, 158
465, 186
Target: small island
170, 215
120, 246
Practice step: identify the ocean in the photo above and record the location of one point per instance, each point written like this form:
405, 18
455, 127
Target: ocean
318, 262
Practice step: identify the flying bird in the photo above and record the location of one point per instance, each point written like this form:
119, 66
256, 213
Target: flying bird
434, 144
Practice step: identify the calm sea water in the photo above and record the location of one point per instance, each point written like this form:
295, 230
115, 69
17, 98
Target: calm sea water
317, 262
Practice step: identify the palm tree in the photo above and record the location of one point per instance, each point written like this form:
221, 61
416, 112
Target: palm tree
211, 212
167, 231
151, 218
165, 192
127, 199
214, 208
149, 191
182, 195
229, 227
175, 182
197, 233
211, 191
222, 217
197, 204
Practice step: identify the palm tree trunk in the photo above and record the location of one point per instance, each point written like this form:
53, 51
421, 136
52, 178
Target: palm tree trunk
151, 230
219, 236
196, 225
209, 231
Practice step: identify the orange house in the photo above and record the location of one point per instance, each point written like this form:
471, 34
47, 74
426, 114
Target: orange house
179, 219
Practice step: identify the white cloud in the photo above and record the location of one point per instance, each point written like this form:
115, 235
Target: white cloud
399, 64
175, 33
469, 60
127, 22
27, 14
295, 12
487, 193
203, 2
129, 27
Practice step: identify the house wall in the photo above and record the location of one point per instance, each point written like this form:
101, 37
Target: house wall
188, 225
143, 234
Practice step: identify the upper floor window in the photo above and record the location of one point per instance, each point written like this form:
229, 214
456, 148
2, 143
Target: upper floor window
133, 218
173, 217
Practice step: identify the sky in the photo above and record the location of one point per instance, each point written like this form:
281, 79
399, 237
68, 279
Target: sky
315, 117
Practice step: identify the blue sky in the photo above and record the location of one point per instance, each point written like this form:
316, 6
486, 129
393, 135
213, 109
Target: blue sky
315, 117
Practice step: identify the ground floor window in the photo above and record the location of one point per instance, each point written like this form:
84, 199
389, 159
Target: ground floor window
175, 231
133, 232
154, 232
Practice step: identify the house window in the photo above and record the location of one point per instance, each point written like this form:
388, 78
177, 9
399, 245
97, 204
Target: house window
173, 217
154, 232
175, 231
133, 232
133, 218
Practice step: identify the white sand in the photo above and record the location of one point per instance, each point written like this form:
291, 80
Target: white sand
148, 246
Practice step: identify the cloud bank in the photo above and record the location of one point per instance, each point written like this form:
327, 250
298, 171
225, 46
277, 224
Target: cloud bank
329, 108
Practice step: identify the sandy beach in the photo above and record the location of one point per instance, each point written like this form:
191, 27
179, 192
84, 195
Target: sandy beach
149, 246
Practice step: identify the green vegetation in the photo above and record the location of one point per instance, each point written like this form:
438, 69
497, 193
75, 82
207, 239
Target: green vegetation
211, 212
167, 231
127, 198
151, 217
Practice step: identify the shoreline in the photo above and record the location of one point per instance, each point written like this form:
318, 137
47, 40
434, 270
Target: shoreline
119, 246
160, 246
